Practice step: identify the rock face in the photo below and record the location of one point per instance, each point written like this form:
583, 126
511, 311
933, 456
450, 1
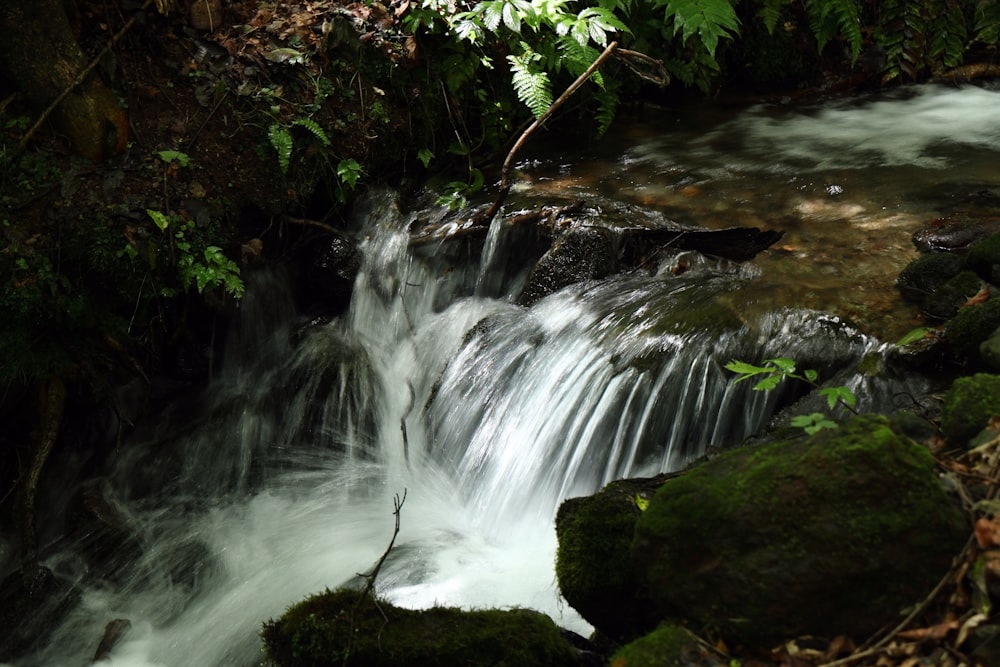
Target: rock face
830, 534
331, 265
342, 628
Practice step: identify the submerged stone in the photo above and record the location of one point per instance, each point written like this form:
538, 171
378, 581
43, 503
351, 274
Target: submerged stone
826, 535
339, 628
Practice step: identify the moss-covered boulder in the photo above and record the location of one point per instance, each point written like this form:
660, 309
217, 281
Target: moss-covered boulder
667, 646
593, 566
984, 257
337, 628
965, 332
945, 302
826, 535
926, 274
968, 406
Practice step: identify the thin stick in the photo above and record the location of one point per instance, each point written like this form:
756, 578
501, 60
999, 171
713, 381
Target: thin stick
487, 218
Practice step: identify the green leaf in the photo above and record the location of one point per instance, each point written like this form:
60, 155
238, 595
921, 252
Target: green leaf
314, 128
710, 20
531, 84
349, 171
916, 334
768, 383
159, 219
175, 156
281, 141
784, 365
425, 156
640, 502
810, 375
835, 395
743, 368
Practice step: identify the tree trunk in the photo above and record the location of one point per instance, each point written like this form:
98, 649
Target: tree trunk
40, 54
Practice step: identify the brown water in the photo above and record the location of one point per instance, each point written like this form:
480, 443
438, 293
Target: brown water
848, 180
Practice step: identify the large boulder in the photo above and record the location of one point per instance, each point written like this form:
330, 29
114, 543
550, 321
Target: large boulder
831, 534
344, 627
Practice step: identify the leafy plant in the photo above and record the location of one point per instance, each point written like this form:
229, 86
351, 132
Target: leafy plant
201, 267
775, 370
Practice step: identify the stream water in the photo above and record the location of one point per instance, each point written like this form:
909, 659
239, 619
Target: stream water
280, 481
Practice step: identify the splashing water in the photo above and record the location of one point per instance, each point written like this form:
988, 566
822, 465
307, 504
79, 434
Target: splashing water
487, 414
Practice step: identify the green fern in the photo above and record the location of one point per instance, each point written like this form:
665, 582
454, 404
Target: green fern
607, 101
986, 22
710, 20
532, 85
314, 128
830, 18
770, 12
948, 37
576, 58
281, 140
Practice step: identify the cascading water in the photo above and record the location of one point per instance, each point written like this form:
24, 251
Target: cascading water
486, 413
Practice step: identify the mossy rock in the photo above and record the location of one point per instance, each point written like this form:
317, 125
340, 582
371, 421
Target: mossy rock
983, 256
341, 627
965, 332
666, 646
826, 535
944, 303
593, 567
968, 406
926, 274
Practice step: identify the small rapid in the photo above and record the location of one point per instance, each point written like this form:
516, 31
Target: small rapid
279, 480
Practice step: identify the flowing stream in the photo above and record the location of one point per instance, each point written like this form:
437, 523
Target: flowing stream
279, 481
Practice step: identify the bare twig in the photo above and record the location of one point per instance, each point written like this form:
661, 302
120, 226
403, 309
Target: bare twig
487, 218
368, 588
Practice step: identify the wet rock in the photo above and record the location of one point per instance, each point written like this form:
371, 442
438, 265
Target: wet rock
594, 573
583, 253
984, 258
342, 628
739, 244
944, 302
114, 632
106, 535
927, 273
989, 352
966, 332
826, 535
955, 232
30, 609
968, 406
331, 262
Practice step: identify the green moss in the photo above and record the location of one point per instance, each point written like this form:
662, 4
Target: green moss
834, 533
667, 646
984, 255
592, 561
945, 302
968, 405
971, 326
334, 629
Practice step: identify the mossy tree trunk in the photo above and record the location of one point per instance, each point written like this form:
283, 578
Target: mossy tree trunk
40, 54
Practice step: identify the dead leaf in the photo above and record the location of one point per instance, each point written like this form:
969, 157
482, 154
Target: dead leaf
968, 627
982, 296
987, 532
935, 632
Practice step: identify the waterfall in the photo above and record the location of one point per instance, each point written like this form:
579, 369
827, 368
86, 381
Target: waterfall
279, 480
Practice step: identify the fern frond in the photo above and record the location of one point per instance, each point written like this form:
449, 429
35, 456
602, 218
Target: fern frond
314, 128
607, 105
710, 20
948, 37
576, 58
531, 84
281, 140
986, 22
830, 18
770, 12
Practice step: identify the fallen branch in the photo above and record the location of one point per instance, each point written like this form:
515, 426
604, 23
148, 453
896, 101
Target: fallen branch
487, 218
366, 590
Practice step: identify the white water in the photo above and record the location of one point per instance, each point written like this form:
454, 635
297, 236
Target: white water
486, 414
